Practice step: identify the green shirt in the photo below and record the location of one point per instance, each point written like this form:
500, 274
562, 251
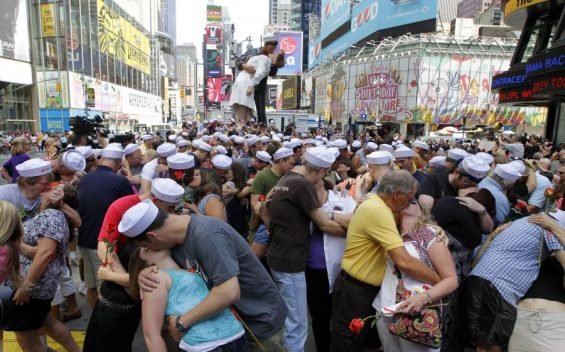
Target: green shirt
264, 181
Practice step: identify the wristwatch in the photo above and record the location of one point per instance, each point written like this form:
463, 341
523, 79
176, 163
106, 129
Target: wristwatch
179, 325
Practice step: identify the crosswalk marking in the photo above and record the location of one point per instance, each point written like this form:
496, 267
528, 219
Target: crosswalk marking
11, 345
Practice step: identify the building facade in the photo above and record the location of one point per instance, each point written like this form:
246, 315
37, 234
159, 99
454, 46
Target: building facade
302, 12
186, 74
94, 57
279, 12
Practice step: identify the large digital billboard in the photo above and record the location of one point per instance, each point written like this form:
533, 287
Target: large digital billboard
291, 43
334, 14
290, 93
213, 63
14, 35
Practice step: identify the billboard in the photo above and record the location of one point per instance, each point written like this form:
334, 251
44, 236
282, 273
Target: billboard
306, 92
214, 34
14, 35
334, 14
120, 39
48, 20
213, 63
291, 43
214, 14
290, 93
219, 89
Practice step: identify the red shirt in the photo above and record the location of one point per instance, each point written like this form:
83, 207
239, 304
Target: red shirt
112, 219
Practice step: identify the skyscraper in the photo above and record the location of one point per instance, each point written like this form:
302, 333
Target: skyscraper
186, 73
301, 13
279, 12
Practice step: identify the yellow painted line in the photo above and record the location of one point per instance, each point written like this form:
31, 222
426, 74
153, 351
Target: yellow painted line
11, 345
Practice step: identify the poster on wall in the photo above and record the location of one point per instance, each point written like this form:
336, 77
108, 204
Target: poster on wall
291, 43
14, 33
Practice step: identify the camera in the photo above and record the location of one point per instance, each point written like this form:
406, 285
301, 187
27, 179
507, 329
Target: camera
86, 125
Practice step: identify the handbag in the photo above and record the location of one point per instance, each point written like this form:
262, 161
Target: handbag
423, 328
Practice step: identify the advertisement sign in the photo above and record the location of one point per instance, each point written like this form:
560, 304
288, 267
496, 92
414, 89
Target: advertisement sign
214, 13
122, 40
213, 63
48, 20
167, 65
14, 35
290, 93
225, 91
291, 43
214, 34
334, 14
53, 89
271, 102
517, 5
15, 71
219, 89
306, 92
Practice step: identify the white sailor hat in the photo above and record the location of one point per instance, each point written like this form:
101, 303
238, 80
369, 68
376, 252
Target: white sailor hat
165, 150
319, 143
334, 150
421, 145
180, 161
86, 151
507, 172
489, 159
206, 139
386, 147
112, 152
379, 158
172, 137
184, 134
138, 218
325, 140
74, 160
216, 134
222, 162
196, 143
263, 156
356, 144
286, 138
371, 146
456, 154
295, 142
147, 137
303, 135
252, 140
265, 139
320, 157
475, 167
167, 190
130, 149
277, 139
437, 160
340, 143
115, 144
224, 138
403, 152
182, 143
270, 39
204, 146
221, 149
520, 167
282, 153
309, 141
318, 138
34, 167
239, 140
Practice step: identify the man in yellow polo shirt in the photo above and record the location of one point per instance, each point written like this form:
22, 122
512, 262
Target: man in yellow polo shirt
371, 236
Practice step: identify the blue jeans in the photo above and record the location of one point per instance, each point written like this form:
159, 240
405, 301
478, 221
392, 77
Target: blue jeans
292, 287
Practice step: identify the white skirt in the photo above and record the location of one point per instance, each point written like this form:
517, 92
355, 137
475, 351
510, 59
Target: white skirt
538, 330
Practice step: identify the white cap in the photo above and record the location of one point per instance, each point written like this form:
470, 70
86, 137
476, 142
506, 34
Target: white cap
182, 143
221, 149
167, 190
224, 138
386, 147
265, 139
34, 167
252, 140
520, 167
130, 148
184, 134
138, 218
403, 152
263, 156
489, 159
115, 144
206, 139
165, 150
422, 145
295, 142
456, 154
437, 160
340, 143
356, 144
371, 146
277, 139
180, 161
508, 132
309, 141
379, 158
282, 153
325, 140
318, 138
320, 157
334, 150
172, 137
303, 135
239, 140
204, 146
86, 151
507, 172
147, 137
221, 161
475, 166
112, 152
74, 160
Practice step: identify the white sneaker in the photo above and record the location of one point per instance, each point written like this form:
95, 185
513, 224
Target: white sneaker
82, 288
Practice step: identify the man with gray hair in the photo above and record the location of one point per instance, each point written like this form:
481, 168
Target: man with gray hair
372, 237
97, 191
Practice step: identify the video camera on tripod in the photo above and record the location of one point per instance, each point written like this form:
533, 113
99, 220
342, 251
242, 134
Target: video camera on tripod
91, 127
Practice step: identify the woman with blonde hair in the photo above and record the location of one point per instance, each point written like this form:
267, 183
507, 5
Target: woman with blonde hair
19, 148
52, 147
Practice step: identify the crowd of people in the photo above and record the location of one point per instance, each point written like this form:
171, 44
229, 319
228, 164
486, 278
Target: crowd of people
229, 237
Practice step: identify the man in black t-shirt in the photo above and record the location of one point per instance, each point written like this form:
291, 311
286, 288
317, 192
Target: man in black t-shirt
294, 205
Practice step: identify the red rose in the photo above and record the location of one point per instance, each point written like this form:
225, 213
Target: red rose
549, 192
111, 228
179, 175
356, 325
520, 206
